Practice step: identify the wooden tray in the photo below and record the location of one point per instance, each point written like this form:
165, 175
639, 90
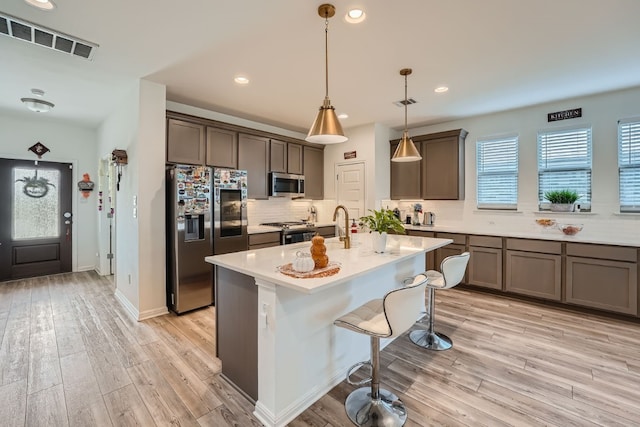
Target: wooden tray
329, 270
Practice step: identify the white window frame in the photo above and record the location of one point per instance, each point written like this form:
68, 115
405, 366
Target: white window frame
550, 162
491, 175
629, 164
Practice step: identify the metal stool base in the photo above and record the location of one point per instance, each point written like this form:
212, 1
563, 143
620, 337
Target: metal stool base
430, 340
387, 411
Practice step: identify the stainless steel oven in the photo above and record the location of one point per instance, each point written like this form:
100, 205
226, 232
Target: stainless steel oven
294, 231
296, 236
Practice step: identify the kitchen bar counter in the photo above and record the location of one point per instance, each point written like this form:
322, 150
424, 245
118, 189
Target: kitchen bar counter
299, 354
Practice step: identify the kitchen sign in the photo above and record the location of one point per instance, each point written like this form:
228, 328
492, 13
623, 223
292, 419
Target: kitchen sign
564, 115
349, 154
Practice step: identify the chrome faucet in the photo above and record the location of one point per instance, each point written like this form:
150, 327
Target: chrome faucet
346, 239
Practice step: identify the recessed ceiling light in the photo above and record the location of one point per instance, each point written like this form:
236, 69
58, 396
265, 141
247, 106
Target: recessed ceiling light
41, 4
355, 16
441, 89
241, 80
343, 116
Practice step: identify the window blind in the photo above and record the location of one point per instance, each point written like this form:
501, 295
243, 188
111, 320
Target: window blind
564, 162
497, 173
629, 165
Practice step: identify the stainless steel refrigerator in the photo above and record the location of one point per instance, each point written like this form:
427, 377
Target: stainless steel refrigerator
229, 211
189, 238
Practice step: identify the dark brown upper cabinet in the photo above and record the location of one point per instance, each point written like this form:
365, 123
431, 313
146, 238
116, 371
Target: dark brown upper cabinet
405, 178
440, 173
294, 159
222, 148
313, 173
253, 157
442, 165
185, 142
277, 156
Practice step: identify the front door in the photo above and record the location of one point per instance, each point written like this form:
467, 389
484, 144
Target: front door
35, 218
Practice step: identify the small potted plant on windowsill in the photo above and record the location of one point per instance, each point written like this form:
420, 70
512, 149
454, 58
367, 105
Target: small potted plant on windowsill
561, 200
379, 223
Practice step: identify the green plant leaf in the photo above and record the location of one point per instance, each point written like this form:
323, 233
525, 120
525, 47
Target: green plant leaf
383, 221
561, 196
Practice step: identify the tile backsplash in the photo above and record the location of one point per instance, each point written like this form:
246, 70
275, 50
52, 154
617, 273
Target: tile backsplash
284, 209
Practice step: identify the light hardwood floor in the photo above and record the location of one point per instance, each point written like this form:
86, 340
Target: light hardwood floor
70, 355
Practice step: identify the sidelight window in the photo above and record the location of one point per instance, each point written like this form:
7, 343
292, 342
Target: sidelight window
497, 172
564, 163
629, 164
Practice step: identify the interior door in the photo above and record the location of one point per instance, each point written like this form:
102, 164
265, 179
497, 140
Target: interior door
35, 218
350, 189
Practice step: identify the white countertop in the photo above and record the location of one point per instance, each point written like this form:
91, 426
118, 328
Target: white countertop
262, 263
538, 232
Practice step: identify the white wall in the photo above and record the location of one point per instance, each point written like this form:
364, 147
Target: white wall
119, 130
138, 126
150, 162
69, 143
371, 144
601, 112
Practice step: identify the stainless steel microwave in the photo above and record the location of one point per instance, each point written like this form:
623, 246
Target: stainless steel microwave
286, 185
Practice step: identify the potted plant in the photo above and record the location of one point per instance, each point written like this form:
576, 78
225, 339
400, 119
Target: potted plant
379, 223
561, 200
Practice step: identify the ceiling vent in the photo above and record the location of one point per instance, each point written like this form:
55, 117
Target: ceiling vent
402, 102
41, 36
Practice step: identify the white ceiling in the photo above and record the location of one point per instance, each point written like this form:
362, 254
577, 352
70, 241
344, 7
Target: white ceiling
493, 54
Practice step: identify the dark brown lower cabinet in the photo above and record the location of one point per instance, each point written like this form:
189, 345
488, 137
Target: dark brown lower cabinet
458, 246
264, 240
237, 329
534, 268
609, 283
485, 262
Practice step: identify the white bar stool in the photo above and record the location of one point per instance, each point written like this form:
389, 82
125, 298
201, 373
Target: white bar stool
452, 268
388, 317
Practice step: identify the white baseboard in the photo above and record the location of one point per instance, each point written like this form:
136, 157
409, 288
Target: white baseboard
155, 312
270, 419
87, 268
133, 312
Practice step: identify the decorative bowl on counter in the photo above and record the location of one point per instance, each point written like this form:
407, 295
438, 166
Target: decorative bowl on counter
546, 222
570, 229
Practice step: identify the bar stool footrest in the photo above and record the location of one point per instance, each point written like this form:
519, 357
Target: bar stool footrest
357, 366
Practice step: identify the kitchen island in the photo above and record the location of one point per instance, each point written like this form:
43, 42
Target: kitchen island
275, 333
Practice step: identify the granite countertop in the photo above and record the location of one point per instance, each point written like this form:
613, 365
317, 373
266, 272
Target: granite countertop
537, 232
262, 263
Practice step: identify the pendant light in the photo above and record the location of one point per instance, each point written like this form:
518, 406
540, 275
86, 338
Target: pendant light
326, 129
406, 151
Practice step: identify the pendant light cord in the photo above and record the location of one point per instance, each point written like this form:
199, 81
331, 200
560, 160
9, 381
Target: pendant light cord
405, 103
326, 54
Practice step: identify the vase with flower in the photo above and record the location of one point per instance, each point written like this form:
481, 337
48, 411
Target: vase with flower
417, 210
